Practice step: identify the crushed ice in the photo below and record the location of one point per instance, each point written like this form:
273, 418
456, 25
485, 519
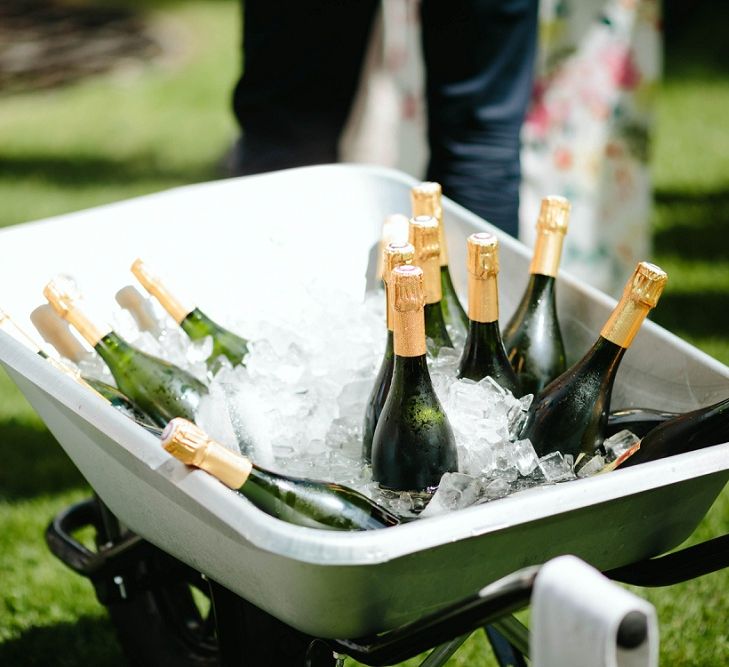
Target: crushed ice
297, 405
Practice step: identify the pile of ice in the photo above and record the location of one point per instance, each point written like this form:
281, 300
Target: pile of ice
297, 406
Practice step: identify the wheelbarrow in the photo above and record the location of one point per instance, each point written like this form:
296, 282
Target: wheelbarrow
320, 584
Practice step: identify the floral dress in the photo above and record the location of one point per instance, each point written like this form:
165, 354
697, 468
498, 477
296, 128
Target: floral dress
586, 135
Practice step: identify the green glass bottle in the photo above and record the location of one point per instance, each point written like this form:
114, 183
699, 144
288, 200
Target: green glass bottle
413, 443
300, 501
639, 421
394, 254
160, 389
484, 354
424, 238
426, 199
532, 337
570, 414
109, 393
193, 321
687, 432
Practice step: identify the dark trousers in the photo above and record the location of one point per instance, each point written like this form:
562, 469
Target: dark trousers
302, 62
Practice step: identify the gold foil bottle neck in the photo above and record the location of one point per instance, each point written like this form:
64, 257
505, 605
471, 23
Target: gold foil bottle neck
641, 293
64, 299
424, 238
394, 254
551, 228
427, 199
152, 283
191, 445
408, 316
483, 268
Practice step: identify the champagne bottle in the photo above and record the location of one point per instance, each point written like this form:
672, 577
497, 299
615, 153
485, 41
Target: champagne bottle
393, 255
484, 354
193, 321
426, 199
424, 238
532, 337
300, 501
413, 443
687, 432
106, 391
162, 391
571, 412
639, 421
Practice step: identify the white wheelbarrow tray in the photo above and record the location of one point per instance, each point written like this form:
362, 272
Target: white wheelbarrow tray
224, 243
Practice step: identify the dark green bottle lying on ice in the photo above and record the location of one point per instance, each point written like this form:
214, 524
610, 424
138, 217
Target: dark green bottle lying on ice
484, 354
394, 254
160, 389
532, 337
424, 239
413, 444
300, 501
570, 414
687, 432
193, 321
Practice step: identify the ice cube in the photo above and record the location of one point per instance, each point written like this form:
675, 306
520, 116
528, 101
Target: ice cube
525, 457
455, 491
556, 468
592, 467
619, 443
496, 488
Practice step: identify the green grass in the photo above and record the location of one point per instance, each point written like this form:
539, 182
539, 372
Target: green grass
166, 124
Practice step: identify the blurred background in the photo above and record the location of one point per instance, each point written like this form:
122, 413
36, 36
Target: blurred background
102, 100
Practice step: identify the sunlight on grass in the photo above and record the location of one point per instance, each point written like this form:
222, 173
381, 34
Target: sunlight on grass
169, 123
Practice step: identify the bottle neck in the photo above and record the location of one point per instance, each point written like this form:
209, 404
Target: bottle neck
603, 358
91, 332
410, 371
625, 321
483, 338
483, 299
547, 252
174, 306
197, 325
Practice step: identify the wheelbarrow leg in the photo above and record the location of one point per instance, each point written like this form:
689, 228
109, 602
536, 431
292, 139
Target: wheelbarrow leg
509, 641
249, 637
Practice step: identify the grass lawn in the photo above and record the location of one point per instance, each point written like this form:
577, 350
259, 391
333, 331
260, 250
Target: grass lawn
133, 132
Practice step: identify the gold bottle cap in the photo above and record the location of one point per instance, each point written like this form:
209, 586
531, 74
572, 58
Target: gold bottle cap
424, 238
641, 293
427, 199
483, 268
408, 302
551, 227
152, 283
63, 296
394, 230
191, 445
394, 254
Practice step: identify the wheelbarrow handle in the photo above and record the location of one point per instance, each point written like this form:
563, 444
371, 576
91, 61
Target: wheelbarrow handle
74, 554
491, 603
675, 568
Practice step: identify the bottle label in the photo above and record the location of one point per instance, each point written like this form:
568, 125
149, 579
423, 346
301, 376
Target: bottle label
547, 252
483, 299
625, 321
409, 333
